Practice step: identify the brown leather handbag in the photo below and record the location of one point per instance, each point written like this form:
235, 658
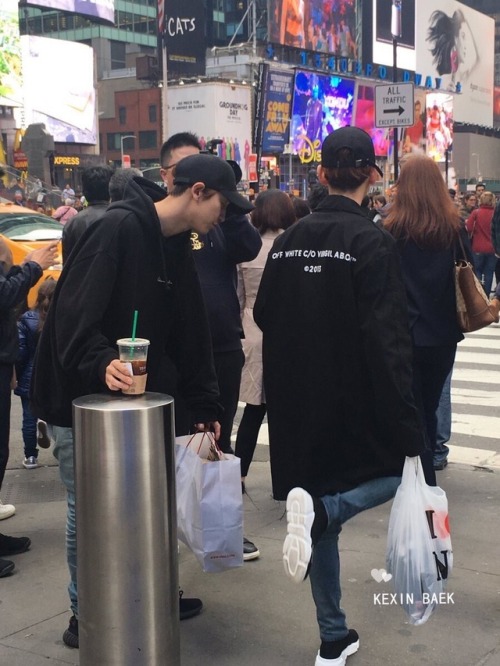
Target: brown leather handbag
474, 309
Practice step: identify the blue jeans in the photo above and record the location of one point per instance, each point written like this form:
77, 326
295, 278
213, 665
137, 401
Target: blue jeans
325, 563
484, 265
28, 429
443, 426
64, 452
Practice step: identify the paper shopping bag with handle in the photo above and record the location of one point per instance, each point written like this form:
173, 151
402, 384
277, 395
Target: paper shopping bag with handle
209, 502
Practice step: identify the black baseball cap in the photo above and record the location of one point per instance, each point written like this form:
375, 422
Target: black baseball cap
354, 139
215, 173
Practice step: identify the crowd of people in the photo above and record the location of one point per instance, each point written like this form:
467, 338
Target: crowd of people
292, 307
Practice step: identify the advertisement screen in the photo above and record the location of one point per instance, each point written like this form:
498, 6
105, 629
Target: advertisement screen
100, 10
457, 44
439, 125
316, 25
365, 119
215, 111
413, 138
321, 104
68, 111
382, 35
10, 55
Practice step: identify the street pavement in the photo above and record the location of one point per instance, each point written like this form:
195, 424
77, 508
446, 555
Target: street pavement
254, 616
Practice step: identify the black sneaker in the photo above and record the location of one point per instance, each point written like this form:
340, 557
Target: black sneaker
13, 545
42, 437
70, 636
335, 653
250, 550
6, 568
189, 607
440, 465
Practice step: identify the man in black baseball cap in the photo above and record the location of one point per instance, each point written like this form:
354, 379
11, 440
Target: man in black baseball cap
341, 414
348, 147
216, 174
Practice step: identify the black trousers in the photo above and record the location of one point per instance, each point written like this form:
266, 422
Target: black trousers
248, 432
5, 402
431, 367
228, 367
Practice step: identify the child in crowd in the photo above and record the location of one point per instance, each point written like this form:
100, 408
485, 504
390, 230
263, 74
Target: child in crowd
30, 326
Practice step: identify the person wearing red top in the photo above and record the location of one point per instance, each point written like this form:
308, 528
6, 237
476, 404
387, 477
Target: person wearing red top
479, 229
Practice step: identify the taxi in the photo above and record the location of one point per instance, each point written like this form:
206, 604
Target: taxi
25, 230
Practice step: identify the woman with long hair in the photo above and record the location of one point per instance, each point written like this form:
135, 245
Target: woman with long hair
274, 212
426, 225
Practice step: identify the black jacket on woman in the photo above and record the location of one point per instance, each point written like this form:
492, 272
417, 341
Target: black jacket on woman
123, 263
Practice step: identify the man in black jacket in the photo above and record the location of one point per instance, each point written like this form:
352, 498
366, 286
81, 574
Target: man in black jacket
136, 257
337, 375
95, 188
15, 283
216, 254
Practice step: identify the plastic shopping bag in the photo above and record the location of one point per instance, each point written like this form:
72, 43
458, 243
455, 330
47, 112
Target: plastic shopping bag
419, 554
209, 502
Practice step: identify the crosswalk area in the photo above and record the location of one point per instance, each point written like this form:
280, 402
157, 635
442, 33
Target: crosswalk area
475, 396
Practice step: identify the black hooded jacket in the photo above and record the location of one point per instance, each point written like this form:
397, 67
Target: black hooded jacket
123, 263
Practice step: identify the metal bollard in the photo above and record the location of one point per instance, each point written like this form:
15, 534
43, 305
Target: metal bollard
128, 592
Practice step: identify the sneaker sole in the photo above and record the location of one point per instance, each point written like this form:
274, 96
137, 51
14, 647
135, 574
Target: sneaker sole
248, 557
339, 661
7, 514
31, 466
71, 640
297, 549
7, 569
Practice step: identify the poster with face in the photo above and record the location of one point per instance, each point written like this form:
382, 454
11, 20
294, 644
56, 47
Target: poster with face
439, 125
456, 44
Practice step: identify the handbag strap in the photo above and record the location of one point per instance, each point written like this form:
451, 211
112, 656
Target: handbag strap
464, 256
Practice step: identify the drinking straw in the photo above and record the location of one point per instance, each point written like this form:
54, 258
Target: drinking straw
134, 325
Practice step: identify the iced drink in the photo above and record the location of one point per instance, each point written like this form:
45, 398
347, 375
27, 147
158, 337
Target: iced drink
134, 353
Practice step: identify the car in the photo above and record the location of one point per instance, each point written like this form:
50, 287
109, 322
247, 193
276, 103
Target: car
25, 230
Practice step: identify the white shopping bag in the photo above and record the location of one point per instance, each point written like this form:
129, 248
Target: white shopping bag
419, 554
209, 503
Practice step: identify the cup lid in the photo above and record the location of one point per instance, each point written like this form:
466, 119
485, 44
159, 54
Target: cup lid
128, 342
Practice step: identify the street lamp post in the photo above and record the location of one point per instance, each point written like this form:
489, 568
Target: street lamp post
122, 139
478, 173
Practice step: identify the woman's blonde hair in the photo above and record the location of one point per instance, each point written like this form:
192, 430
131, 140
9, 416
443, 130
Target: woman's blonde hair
487, 199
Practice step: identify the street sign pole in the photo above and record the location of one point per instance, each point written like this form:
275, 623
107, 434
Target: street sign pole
396, 31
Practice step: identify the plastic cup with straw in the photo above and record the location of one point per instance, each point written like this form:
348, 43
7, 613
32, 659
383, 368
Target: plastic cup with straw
133, 352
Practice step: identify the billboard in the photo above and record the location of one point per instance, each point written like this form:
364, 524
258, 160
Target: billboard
99, 10
185, 37
272, 121
364, 118
215, 111
321, 104
457, 44
68, 111
10, 55
316, 25
382, 36
439, 125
